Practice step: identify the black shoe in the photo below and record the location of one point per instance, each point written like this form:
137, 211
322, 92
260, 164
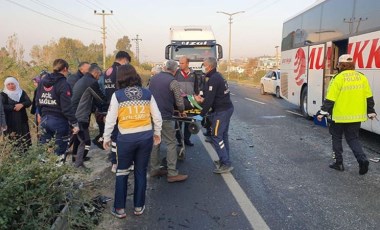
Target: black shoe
98, 141
363, 167
208, 139
206, 134
86, 158
189, 143
337, 166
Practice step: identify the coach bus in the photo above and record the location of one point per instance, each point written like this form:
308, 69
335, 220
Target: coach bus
312, 42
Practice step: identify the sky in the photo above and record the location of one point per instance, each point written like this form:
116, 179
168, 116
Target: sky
254, 33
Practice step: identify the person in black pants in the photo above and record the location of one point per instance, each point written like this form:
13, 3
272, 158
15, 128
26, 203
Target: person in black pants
122, 58
86, 89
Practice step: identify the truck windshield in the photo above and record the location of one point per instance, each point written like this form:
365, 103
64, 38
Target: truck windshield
194, 53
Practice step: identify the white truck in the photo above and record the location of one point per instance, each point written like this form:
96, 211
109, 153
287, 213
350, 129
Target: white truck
195, 42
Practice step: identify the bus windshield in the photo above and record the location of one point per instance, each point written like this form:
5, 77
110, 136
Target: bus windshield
194, 53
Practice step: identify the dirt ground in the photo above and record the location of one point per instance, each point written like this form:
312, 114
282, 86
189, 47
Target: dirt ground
100, 169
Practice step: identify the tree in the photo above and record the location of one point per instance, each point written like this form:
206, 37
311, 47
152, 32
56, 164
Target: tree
15, 49
250, 66
124, 44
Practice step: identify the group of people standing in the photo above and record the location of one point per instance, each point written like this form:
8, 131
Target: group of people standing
131, 118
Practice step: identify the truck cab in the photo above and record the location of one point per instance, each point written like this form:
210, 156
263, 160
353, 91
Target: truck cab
195, 42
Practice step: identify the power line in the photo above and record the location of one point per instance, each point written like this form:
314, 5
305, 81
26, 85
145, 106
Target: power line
115, 23
63, 13
91, 3
103, 6
48, 16
254, 5
85, 5
104, 14
137, 39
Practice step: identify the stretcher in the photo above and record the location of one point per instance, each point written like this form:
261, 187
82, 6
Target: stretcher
192, 108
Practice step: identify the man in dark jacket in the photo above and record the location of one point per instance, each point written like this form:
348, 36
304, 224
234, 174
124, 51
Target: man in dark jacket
84, 91
217, 98
82, 70
54, 103
166, 91
122, 58
189, 85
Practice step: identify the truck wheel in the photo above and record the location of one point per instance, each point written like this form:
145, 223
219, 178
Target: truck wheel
278, 92
262, 91
303, 104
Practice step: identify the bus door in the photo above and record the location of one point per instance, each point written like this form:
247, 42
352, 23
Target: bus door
333, 51
315, 78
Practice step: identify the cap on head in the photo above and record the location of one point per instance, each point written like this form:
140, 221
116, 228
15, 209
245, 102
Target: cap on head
345, 58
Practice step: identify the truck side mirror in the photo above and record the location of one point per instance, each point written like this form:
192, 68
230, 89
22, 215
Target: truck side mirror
167, 50
220, 51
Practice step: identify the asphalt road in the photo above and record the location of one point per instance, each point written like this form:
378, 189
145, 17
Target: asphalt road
281, 164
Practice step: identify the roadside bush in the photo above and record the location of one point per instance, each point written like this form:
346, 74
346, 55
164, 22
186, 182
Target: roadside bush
34, 190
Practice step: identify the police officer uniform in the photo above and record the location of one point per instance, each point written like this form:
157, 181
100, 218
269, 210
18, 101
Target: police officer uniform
349, 100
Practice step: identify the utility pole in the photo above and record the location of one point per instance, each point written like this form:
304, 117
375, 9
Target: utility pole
277, 57
137, 39
229, 40
104, 14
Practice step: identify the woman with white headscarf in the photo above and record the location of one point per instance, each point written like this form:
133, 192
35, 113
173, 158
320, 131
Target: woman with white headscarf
15, 101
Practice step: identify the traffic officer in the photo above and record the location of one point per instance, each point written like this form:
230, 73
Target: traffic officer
217, 97
122, 58
349, 101
54, 103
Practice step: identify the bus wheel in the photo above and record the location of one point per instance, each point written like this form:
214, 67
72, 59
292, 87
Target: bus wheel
262, 91
303, 104
278, 92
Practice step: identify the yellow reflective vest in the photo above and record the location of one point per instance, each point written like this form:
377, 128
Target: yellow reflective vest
349, 90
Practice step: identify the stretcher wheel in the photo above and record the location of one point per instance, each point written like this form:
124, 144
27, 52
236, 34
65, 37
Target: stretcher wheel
193, 128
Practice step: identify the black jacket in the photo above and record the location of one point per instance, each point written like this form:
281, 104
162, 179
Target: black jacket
54, 97
73, 78
86, 103
216, 93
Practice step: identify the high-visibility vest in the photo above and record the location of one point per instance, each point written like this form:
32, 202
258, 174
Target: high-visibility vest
349, 90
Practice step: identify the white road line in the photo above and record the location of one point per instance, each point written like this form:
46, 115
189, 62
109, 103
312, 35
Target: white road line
294, 113
249, 99
253, 216
232, 94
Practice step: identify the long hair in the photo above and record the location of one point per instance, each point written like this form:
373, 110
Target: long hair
127, 77
59, 65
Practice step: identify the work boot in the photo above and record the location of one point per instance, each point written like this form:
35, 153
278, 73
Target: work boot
206, 134
208, 139
363, 167
337, 166
177, 178
158, 173
223, 169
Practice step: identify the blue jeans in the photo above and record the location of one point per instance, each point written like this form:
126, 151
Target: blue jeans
58, 128
219, 134
128, 153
